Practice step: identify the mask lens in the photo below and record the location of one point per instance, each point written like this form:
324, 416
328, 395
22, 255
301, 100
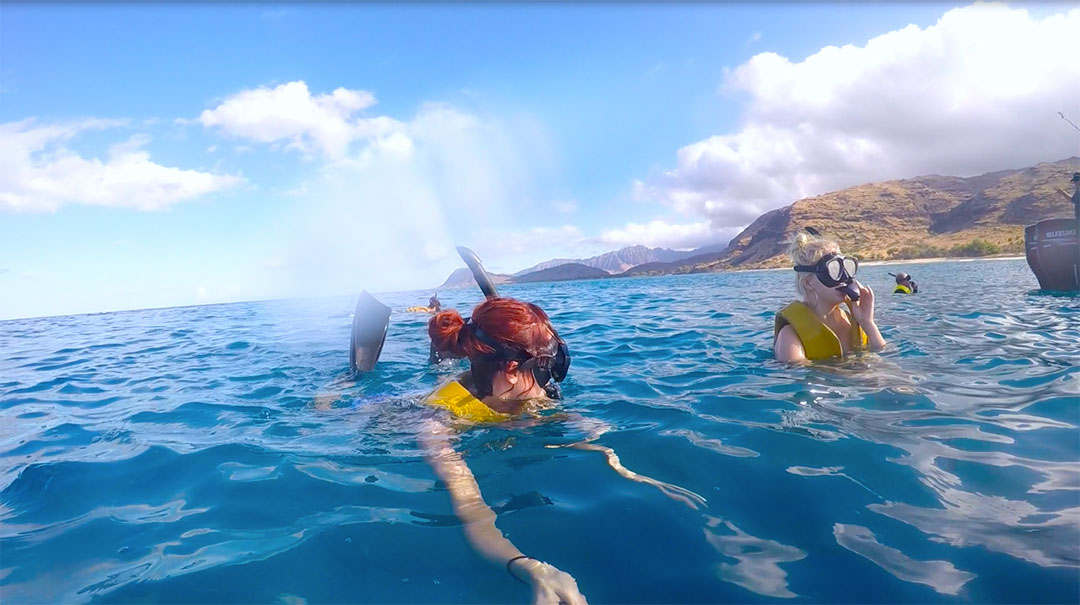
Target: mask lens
851, 266
561, 364
542, 375
554, 367
834, 269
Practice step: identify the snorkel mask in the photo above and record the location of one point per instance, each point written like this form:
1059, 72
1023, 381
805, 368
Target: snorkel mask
547, 365
835, 271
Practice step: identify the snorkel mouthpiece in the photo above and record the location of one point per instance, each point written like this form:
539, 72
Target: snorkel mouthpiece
850, 291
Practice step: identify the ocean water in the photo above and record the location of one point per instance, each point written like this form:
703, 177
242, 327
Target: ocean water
221, 454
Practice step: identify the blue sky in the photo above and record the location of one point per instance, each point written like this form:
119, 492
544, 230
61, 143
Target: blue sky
185, 154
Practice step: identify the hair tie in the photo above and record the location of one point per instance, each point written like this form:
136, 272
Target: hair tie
512, 573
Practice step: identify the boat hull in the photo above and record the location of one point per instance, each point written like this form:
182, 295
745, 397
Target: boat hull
1053, 253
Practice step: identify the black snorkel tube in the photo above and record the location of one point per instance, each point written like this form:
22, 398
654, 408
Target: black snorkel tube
371, 321
850, 290
479, 274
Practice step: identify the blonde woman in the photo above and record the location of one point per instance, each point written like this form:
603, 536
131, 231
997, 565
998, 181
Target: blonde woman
836, 314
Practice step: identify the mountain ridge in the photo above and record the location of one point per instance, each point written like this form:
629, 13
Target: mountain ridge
920, 217
616, 261
564, 272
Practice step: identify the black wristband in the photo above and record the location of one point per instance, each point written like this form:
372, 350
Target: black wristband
512, 573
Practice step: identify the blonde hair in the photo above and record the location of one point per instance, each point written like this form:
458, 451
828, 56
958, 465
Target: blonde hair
807, 249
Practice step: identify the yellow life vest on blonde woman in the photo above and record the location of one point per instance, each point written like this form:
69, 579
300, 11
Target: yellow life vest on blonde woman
818, 340
455, 398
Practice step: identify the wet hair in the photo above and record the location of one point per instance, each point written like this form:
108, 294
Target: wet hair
511, 322
807, 249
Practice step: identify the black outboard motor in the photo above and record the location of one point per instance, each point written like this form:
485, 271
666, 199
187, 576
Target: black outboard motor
1052, 247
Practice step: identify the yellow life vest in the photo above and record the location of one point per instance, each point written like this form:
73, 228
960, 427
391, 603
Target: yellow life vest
460, 402
901, 289
419, 310
818, 340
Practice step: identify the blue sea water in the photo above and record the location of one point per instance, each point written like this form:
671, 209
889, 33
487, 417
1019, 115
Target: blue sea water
222, 454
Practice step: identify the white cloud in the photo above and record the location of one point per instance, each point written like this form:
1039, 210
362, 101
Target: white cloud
976, 92
290, 114
388, 206
659, 233
41, 174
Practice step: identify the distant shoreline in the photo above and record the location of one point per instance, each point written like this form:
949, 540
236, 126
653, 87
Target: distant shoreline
209, 304
869, 263
937, 259
874, 263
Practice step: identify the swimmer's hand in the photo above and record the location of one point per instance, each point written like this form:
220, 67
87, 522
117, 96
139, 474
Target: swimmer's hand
679, 494
863, 310
864, 307
551, 586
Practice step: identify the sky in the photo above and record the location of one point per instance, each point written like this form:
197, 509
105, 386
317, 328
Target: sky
180, 154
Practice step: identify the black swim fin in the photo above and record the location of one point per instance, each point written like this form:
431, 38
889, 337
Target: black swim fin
370, 323
479, 274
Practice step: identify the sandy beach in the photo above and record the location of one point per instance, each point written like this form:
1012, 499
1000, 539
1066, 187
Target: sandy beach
919, 261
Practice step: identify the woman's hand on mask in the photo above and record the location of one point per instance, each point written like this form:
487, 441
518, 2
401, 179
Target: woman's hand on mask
863, 308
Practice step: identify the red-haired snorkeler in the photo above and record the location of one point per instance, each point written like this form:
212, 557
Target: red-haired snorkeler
513, 352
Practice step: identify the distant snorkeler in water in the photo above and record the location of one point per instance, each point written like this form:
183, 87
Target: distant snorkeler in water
818, 327
904, 284
433, 306
515, 357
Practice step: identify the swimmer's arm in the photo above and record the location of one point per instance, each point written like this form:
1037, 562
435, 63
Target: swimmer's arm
874, 340
863, 314
468, 502
670, 490
549, 583
788, 347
